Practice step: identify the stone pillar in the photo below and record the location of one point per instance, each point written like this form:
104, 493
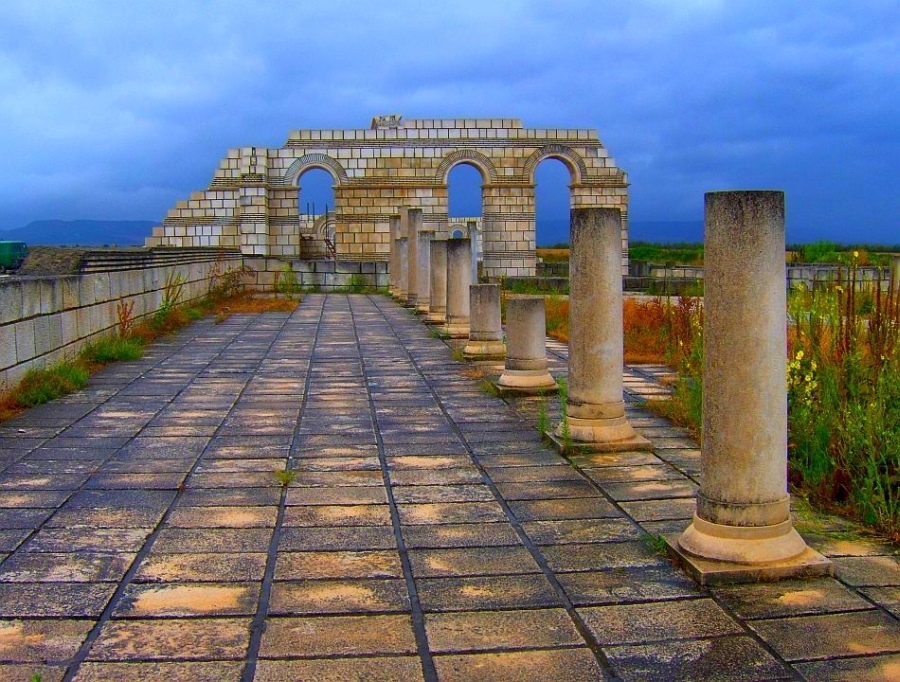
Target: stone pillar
485, 329
472, 229
459, 277
595, 409
393, 279
743, 507
895, 274
526, 353
410, 225
437, 302
403, 269
423, 298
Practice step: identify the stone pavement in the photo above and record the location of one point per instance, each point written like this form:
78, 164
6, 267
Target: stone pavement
428, 534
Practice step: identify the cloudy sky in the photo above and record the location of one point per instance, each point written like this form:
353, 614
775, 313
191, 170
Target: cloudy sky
114, 110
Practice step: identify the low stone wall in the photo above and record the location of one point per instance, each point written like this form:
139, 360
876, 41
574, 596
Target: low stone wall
44, 320
319, 275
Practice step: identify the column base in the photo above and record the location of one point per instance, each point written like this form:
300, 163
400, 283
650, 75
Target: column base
456, 331
525, 382
601, 435
422, 308
435, 318
714, 554
484, 350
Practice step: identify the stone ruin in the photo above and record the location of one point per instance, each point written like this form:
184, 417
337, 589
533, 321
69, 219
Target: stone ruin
253, 200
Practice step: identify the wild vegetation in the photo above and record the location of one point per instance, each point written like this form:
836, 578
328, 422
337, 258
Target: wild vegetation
843, 390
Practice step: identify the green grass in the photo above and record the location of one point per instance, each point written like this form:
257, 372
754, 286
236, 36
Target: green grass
679, 253
43, 385
112, 349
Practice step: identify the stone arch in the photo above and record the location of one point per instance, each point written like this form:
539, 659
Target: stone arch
484, 165
569, 157
304, 163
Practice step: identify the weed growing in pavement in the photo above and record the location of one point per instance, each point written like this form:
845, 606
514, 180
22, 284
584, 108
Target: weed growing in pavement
543, 420
657, 543
285, 477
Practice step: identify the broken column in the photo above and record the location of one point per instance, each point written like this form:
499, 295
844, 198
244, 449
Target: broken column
423, 297
595, 409
742, 526
526, 370
437, 300
459, 277
410, 227
485, 329
895, 274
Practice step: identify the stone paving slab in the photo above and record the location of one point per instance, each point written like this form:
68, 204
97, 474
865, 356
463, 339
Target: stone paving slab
425, 532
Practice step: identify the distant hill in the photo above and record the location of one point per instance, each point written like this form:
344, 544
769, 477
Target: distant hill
660, 231
81, 232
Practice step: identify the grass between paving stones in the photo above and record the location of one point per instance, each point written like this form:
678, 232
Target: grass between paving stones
843, 391
226, 296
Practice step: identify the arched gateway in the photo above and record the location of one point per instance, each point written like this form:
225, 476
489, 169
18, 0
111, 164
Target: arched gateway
251, 203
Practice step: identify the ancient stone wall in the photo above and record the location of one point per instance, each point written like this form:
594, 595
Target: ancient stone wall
252, 202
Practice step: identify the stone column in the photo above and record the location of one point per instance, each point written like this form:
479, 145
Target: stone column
423, 297
437, 302
485, 329
595, 409
743, 507
895, 274
472, 229
393, 279
526, 353
403, 269
459, 277
412, 223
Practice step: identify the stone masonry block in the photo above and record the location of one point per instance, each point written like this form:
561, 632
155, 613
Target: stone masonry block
10, 301
7, 346
25, 349
31, 298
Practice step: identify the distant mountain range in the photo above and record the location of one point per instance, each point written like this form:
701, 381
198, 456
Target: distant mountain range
133, 232
81, 232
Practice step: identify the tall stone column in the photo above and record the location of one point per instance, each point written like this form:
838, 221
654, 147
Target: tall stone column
393, 279
459, 277
413, 224
485, 328
743, 507
526, 370
437, 301
423, 298
402, 269
895, 274
595, 409
472, 229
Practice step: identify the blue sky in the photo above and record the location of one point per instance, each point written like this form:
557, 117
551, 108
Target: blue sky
114, 110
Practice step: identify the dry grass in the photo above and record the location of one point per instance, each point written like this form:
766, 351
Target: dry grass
247, 303
644, 328
553, 255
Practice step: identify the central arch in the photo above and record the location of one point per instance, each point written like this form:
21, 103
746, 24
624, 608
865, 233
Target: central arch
471, 157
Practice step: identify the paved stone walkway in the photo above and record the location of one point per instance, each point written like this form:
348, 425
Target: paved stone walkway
428, 533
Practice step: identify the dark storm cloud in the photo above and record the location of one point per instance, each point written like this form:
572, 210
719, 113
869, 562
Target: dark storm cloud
115, 110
